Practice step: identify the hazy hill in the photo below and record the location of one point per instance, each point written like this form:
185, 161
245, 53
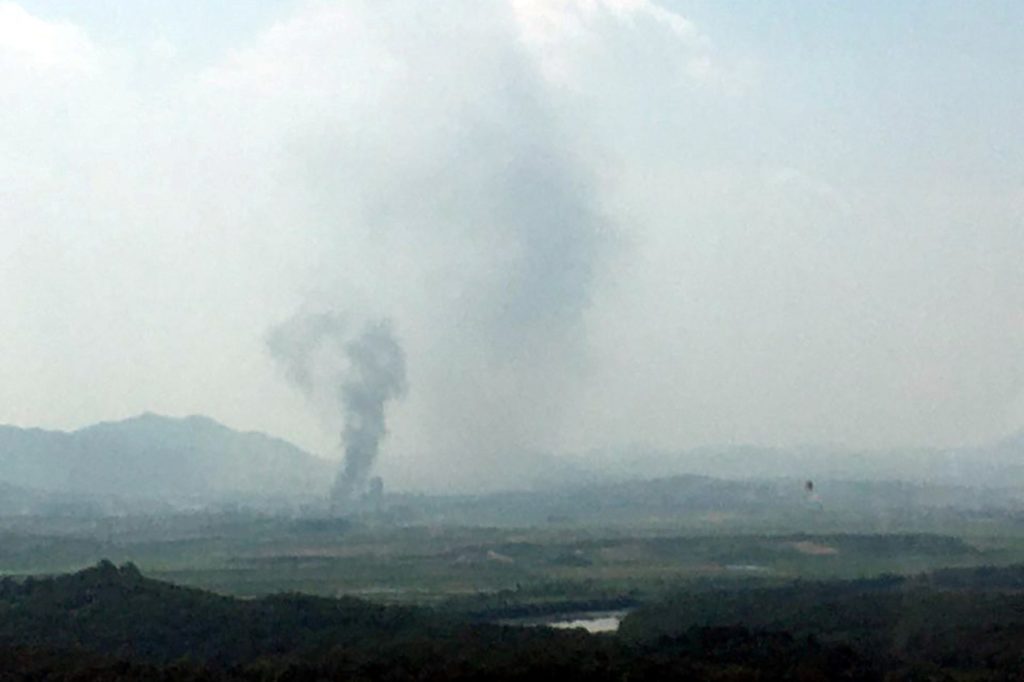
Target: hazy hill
999, 464
767, 503
159, 457
15, 500
19, 501
197, 460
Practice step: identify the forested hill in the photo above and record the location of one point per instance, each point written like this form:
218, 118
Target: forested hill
150, 456
113, 623
119, 612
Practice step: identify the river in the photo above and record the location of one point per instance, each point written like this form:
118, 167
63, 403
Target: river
591, 621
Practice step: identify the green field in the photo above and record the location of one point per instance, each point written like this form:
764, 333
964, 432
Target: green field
484, 568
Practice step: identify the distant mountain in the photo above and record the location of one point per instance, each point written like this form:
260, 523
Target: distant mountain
996, 465
15, 501
779, 504
150, 456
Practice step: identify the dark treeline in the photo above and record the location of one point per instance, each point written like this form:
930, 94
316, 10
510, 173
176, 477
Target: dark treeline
968, 621
485, 653
113, 623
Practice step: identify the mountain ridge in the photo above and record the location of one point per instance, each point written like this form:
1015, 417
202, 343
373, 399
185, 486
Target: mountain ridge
155, 456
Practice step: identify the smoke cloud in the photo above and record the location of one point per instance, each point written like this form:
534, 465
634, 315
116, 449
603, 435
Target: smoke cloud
484, 206
597, 223
358, 373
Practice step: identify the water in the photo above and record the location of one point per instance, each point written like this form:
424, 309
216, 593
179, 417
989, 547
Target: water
591, 622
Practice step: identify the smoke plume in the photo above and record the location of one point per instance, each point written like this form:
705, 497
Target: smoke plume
356, 372
485, 229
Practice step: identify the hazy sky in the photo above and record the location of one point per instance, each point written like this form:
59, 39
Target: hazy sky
592, 223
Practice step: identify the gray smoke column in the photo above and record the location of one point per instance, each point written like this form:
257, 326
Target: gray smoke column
479, 206
376, 376
360, 373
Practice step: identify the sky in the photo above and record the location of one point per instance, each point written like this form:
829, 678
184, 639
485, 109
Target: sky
590, 224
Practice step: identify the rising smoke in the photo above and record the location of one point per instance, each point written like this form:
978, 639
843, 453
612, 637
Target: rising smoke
484, 226
356, 372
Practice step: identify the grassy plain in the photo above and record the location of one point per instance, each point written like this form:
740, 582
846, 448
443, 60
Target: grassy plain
503, 570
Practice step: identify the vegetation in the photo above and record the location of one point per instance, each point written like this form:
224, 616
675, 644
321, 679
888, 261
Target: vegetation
114, 623
722, 583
